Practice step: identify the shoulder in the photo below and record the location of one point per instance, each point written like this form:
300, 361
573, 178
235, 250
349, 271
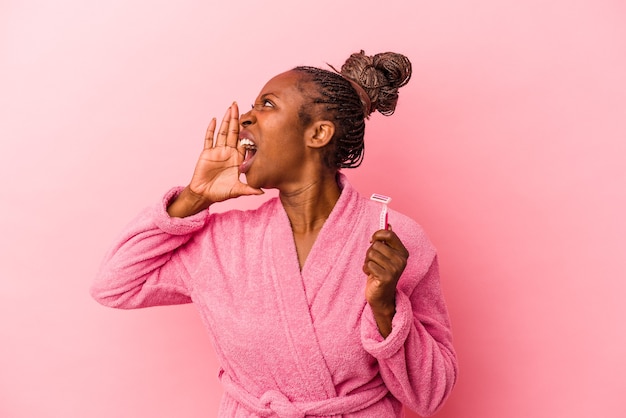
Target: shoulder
410, 231
405, 227
422, 252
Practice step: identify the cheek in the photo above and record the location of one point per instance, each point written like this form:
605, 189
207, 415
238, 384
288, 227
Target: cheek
288, 141
283, 134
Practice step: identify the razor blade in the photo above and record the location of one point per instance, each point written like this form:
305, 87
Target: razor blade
383, 213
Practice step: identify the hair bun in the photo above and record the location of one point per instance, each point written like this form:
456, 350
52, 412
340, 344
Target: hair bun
380, 76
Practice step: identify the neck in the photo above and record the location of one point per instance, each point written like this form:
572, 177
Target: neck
309, 205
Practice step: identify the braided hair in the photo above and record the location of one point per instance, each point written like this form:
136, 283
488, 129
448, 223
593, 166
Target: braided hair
365, 84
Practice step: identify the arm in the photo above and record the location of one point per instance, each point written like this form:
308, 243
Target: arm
416, 357
144, 268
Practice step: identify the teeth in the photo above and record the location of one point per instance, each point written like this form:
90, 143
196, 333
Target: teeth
245, 142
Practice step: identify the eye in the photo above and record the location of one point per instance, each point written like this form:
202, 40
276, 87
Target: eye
263, 103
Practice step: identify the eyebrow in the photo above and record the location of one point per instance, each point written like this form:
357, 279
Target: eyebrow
269, 94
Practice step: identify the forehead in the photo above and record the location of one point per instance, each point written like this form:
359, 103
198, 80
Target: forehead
286, 86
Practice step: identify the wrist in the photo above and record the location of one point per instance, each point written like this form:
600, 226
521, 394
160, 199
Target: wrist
384, 312
383, 315
187, 203
385, 307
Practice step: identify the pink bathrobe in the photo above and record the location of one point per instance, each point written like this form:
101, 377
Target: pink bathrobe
293, 343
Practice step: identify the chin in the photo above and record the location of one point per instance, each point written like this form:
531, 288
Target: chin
253, 181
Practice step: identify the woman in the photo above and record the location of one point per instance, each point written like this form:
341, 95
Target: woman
312, 309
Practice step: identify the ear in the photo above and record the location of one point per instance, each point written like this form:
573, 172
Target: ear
320, 133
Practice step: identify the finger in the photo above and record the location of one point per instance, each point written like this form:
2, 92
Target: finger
233, 126
391, 260
246, 190
381, 235
223, 131
372, 269
380, 254
390, 252
391, 239
208, 137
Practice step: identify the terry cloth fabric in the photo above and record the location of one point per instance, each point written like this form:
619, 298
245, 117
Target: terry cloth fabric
275, 403
291, 341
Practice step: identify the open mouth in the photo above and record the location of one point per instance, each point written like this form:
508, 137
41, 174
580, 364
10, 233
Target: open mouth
249, 151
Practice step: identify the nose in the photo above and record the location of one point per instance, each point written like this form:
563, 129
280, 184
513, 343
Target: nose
247, 118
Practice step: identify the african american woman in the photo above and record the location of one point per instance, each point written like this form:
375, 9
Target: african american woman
312, 308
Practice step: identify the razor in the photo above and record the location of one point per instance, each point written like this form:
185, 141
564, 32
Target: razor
383, 213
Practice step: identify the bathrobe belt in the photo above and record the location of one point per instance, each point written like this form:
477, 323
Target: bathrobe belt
274, 403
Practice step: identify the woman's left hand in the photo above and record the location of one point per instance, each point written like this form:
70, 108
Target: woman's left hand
385, 261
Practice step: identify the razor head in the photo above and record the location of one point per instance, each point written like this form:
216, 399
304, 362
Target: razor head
380, 198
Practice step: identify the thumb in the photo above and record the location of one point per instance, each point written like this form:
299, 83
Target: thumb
246, 190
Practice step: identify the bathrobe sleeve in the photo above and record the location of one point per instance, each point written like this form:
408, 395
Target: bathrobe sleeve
144, 267
417, 361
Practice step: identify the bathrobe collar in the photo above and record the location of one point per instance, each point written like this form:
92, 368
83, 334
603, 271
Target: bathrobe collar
290, 283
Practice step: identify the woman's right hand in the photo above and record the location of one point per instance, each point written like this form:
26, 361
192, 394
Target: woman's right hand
216, 176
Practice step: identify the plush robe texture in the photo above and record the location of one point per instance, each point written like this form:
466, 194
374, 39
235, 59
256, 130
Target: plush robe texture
293, 343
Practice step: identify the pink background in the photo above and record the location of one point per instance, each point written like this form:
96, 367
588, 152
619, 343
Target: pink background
508, 145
